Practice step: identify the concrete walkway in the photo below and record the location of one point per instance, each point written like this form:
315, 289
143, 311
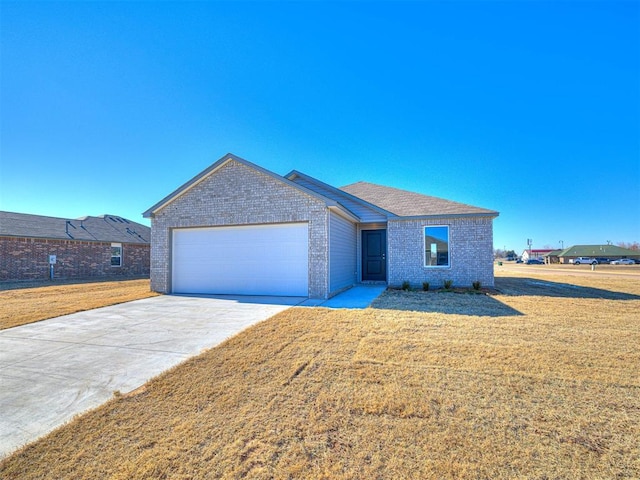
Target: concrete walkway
50, 371
359, 296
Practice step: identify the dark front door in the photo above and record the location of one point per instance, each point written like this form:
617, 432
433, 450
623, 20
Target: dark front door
374, 255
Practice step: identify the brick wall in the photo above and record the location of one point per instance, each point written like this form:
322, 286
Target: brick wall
470, 252
236, 194
28, 258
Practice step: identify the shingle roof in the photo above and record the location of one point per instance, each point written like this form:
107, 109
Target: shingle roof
393, 201
351, 203
103, 228
410, 204
215, 166
598, 251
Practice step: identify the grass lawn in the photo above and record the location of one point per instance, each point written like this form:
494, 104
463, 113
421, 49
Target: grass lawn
22, 303
539, 381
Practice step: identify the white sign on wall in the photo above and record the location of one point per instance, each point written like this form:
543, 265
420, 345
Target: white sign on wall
52, 259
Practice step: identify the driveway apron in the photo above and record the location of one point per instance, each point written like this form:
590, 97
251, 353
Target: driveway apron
52, 370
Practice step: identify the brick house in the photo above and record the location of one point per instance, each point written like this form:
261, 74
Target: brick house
237, 228
106, 245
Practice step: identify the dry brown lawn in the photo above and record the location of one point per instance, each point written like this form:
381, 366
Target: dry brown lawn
20, 305
541, 380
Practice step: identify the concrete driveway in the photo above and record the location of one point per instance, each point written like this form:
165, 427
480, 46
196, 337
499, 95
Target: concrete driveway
52, 370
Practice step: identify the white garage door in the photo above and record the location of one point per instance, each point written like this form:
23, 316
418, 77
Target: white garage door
246, 260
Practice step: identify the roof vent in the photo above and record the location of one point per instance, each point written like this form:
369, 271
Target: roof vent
66, 228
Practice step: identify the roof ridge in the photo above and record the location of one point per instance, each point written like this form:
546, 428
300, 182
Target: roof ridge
83, 218
15, 224
339, 191
408, 203
204, 174
402, 190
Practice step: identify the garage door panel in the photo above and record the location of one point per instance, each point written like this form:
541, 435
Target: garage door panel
251, 260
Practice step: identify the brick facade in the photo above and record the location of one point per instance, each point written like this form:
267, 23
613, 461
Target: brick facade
28, 258
235, 194
470, 252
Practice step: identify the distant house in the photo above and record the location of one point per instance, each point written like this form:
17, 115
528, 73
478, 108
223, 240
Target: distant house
535, 253
552, 256
83, 247
612, 252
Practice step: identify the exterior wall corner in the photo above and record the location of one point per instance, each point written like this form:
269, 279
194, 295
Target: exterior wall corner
470, 251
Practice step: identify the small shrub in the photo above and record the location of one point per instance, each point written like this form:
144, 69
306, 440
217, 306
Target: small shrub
406, 286
448, 284
425, 286
476, 285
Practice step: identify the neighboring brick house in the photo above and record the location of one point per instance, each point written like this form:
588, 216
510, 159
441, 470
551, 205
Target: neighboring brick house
84, 247
237, 228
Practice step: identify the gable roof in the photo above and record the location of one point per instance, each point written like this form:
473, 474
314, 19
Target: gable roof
221, 162
598, 251
383, 202
404, 203
352, 203
103, 228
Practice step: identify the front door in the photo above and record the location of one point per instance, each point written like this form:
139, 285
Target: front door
374, 255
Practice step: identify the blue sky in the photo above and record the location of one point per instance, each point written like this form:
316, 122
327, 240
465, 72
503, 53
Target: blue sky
530, 108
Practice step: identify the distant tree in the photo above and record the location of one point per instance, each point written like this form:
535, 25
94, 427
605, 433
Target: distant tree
630, 245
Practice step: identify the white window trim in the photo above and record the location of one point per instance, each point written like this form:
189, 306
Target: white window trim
118, 245
424, 246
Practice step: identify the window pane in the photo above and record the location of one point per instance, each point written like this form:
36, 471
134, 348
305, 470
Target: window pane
116, 254
436, 246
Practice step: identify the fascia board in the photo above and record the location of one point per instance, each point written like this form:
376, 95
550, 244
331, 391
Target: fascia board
216, 166
343, 212
184, 188
382, 211
444, 215
67, 239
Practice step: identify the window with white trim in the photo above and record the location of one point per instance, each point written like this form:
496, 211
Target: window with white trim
116, 254
436, 246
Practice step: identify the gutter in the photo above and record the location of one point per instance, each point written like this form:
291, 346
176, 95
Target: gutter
444, 215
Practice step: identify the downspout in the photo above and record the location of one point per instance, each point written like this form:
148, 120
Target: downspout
328, 280
387, 254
